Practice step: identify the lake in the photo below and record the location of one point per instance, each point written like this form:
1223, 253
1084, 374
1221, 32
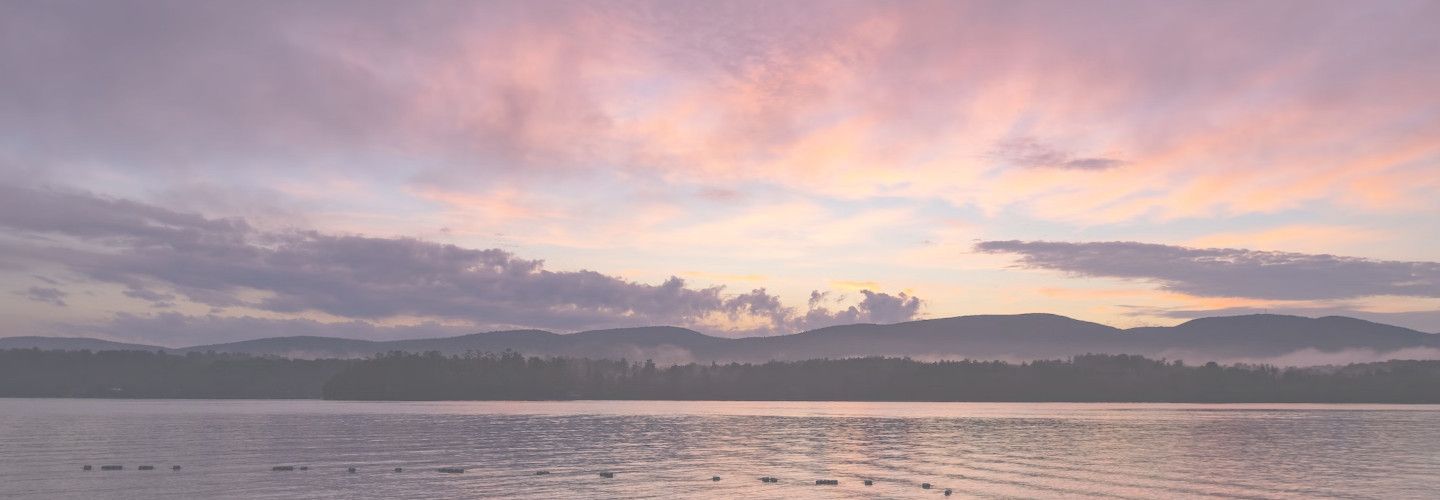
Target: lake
664, 449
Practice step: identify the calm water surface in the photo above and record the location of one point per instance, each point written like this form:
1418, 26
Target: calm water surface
671, 449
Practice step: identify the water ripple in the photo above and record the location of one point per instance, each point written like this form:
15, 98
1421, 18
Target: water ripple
671, 449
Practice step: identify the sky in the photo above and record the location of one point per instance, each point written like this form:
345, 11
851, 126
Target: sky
192, 172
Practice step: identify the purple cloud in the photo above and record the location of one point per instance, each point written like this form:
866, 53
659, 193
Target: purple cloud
875, 307
158, 254
1229, 272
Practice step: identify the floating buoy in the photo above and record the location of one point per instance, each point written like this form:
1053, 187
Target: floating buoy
541, 472
174, 467
451, 470
87, 467
827, 482
607, 474
947, 492
352, 470
397, 469
714, 478
925, 485
869, 482
112, 467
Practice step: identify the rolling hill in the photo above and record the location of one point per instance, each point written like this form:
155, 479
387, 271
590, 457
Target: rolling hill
1008, 337
72, 344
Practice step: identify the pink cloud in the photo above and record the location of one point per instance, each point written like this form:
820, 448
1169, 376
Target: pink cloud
1214, 109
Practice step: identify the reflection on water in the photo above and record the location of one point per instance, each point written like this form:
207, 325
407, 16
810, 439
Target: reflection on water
671, 449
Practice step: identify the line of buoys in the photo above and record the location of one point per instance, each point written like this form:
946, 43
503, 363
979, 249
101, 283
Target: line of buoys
460, 470
121, 467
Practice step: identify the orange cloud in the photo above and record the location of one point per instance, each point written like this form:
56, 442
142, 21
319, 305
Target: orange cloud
854, 285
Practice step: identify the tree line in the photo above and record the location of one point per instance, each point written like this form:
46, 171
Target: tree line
512, 376
1094, 377
153, 374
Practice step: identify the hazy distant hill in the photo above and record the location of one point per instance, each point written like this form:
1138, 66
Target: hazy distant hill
1010, 337
297, 347
1021, 336
72, 344
659, 342
1265, 335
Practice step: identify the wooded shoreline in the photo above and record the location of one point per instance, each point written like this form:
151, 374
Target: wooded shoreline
512, 376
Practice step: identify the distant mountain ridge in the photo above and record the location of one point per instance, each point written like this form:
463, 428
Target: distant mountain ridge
72, 344
1009, 337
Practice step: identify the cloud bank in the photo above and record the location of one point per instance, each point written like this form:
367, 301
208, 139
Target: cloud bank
158, 255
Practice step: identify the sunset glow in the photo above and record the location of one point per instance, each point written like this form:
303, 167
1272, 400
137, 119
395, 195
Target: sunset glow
197, 172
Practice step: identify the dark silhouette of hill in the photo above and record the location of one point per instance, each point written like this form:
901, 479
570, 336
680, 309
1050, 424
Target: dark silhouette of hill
659, 343
302, 346
1262, 335
1008, 337
1020, 336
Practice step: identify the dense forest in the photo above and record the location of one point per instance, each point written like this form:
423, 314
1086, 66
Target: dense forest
512, 376
403, 376
150, 374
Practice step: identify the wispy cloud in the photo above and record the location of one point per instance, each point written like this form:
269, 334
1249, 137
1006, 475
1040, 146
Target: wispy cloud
53, 296
1031, 153
891, 99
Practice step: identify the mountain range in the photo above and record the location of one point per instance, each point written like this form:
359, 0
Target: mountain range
1278, 339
